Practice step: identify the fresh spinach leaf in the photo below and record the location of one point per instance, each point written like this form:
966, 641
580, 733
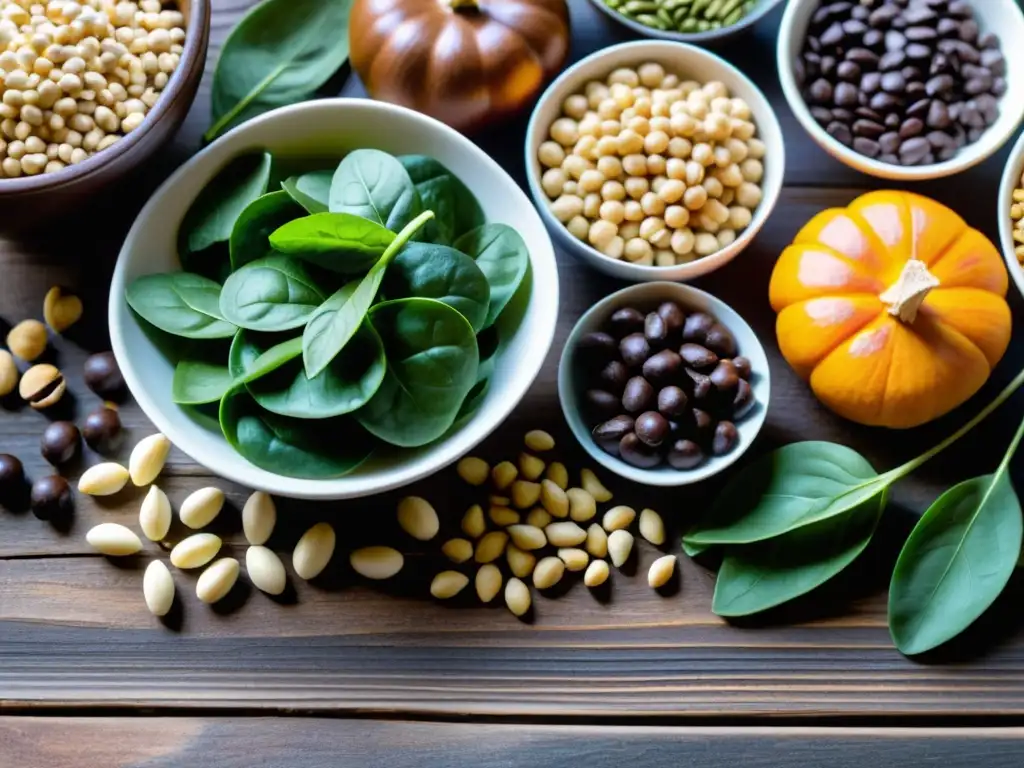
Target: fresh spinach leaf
280, 53
293, 447
456, 209
211, 217
794, 486
310, 190
955, 563
502, 255
760, 576
199, 381
341, 242
374, 185
332, 326
181, 304
432, 361
439, 272
346, 384
271, 294
250, 237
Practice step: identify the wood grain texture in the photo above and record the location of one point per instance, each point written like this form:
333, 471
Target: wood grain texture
308, 743
74, 630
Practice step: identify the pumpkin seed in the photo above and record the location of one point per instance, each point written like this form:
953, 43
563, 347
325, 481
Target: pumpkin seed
201, 507
519, 562
448, 584
155, 514
195, 551
549, 571
618, 518
620, 544
473, 470
114, 540
565, 534
652, 527
490, 547
539, 440
582, 506
594, 487
458, 550
216, 581
158, 588
661, 571
597, 573
259, 515
488, 582
418, 518
377, 562
314, 551
517, 596
104, 479
265, 569
473, 524
147, 459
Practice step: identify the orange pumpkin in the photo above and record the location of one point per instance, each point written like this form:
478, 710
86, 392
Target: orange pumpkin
893, 308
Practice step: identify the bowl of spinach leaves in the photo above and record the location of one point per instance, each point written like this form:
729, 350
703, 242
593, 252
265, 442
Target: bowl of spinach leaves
334, 299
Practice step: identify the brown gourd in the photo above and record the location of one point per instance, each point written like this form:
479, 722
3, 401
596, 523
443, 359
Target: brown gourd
465, 62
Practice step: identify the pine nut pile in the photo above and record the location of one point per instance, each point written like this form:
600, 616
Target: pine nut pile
1017, 215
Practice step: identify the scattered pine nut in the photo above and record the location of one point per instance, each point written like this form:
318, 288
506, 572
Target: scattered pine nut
519, 562
488, 582
582, 506
448, 584
527, 537
554, 499
490, 547
597, 573
265, 569
418, 518
195, 551
558, 474
158, 588
216, 582
201, 507
530, 467
155, 515
539, 440
517, 596
147, 459
618, 518
104, 479
376, 563
652, 527
503, 474
594, 487
113, 540
458, 550
539, 517
574, 559
565, 534
473, 524
61, 310
314, 551
473, 470
259, 516
620, 544
549, 571
503, 516
661, 571
597, 541
525, 494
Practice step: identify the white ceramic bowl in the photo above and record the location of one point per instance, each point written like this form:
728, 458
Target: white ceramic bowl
1004, 17
331, 128
687, 61
711, 36
1011, 181
646, 297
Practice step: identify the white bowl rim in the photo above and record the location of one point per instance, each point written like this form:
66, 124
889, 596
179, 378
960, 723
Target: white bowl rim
689, 270
543, 267
712, 35
662, 478
962, 161
1010, 181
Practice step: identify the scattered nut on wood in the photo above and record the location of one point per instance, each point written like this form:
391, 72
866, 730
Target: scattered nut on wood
147, 459
158, 588
490, 547
620, 544
488, 582
539, 517
527, 537
155, 514
9, 375
265, 569
473, 523
618, 518
525, 493
503, 474
259, 516
217, 581
553, 499
574, 559
661, 571
582, 506
594, 487
517, 596
448, 584
114, 540
61, 310
565, 534
503, 516
549, 571
652, 527
597, 573
195, 551
597, 541
27, 340
377, 563
42, 386
104, 479
519, 562
458, 550
418, 518
201, 507
314, 551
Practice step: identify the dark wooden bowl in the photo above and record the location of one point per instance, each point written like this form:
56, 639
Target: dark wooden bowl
25, 200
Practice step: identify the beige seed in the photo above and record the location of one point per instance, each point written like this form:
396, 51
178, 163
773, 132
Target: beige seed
265, 569
661, 571
499, 501
114, 540
652, 527
155, 514
582, 506
216, 581
195, 551
517, 597
565, 534
620, 544
530, 467
314, 551
458, 550
554, 499
597, 574
448, 584
103, 479
503, 516
597, 541
525, 494
503, 474
558, 474
60, 310
376, 563
594, 487
519, 562
473, 524
158, 588
574, 559
539, 440
527, 536
549, 571
147, 459
473, 470
418, 518
259, 515
9, 374
488, 582
539, 517
490, 547
201, 507
618, 518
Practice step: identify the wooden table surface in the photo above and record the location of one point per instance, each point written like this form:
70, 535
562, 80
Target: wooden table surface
386, 676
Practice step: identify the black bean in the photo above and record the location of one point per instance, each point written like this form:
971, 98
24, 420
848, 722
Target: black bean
12, 477
920, 34
893, 82
866, 147
102, 430
988, 40
948, 27
685, 454
863, 57
889, 142
638, 396
868, 114
821, 91
895, 41
840, 132
892, 60
700, 385
846, 95
994, 61
597, 347
672, 402
625, 321
634, 349
663, 368
601, 403
884, 102
633, 451
868, 129
833, 35
938, 115
673, 316
917, 51
726, 438
703, 424
652, 428
969, 31
655, 330
725, 377
743, 400
882, 16
822, 115
698, 357
911, 128
696, 327
988, 105
51, 498
60, 442
720, 341
742, 365
871, 82
848, 70
607, 434
914, 150
613, 376
103, 376
919, 14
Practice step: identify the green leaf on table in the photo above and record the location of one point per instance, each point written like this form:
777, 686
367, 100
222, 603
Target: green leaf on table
310, 190
756, 577
502, 256
456, 209
374, 185
199, 381
181, 304
211, 217
795, 486
341, 242
271, 294
250, 237
280, 53
432, 361
955, 563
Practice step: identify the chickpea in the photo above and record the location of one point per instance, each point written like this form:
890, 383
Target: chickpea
751, 170
607, 146
682, 241
601, 233
636, 248
712, 186
628, 230
743, 129
578, 227
717, 127
566, 207
755, 149
635, 165
10, 167
613, 190
705, 244
637, 187
552, 181
671, 191
657, 183
722, 157
586, 146
660, 109
591, 181
634, 212
679, 147
740, 109
676, 216
569, 188
642, 92
651, 226
727, 196
613, 211
661, 125
642, 106
695, 197
614, 248
549, 153
703, 154
714, 89
652, 204
670, 81
697, 105
721, 105
592, 205
564, 130
748, 195
706, 222
624, 75
596, 93
621, 94
575, 165
718, 212
630, 143
609, 109
651, 75
656, 142
590, 125
664, 259
676, 168
611, 127
737, 149
575, 106
610, 167
656, 165
726, 237
639, 125
731, 175
627, 114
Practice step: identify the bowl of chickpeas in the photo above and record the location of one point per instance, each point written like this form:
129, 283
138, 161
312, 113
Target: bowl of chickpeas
654, 160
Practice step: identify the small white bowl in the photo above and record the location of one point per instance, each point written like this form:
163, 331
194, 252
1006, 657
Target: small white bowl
330, 128
684, 60
1004, 17
710, 37
1011, 181
647, 296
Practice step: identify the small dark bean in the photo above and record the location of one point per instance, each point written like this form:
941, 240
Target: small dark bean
703, 424
848, 70
889, 142
742, 365
871, 82
821, 91
726, 438
614, 376
634, 350
917, 108
102, 430
103, 376
840, 132
890, 61
672, 402
60, 442
938, 115
868, 129
51, 498
914, 150
12, 477
725, 377
701, 385
607, 434
652, 428
638, 395
597, 347
743, 400
696, 327
867, 147
893, 82
846, 95
673, 316
698, 357
720, 341
911, 128
625, 321
655, 330
633, 451
601, 403
822, 115
685, 454
663, 368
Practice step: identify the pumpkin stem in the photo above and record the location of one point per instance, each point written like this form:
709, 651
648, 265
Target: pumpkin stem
905, 296
456, 5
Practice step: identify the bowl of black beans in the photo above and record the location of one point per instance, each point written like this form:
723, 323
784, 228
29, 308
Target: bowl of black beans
905, 89
664, 384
